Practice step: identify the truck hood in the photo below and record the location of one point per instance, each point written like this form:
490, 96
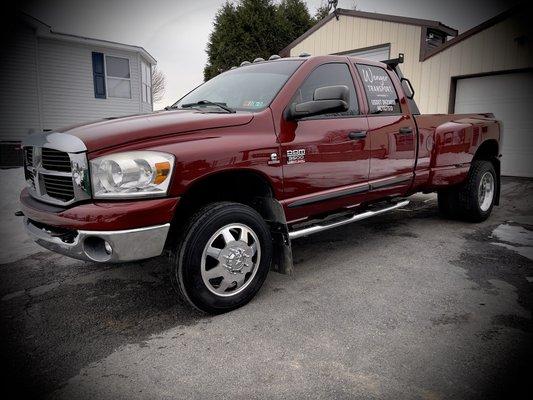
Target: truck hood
117, 131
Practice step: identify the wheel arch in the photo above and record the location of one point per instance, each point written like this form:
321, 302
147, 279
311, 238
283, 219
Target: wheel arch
245, 186
487, 150
246, 183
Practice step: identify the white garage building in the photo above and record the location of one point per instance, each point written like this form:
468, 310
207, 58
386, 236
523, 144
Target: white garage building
488, 68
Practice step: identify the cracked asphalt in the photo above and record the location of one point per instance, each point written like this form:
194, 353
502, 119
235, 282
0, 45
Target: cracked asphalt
405, 305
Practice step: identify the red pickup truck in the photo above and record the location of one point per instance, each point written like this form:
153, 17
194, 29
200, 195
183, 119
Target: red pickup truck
270, 151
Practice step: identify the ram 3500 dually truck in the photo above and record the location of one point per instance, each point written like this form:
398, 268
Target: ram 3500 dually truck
270, 151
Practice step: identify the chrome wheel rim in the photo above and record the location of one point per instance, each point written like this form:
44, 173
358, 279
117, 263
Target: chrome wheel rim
486, 191
230, 260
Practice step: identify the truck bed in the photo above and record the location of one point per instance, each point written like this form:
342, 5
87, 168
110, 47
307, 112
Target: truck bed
447, 144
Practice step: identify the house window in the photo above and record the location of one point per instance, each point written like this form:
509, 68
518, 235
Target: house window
118, 77
434, 38
146, 82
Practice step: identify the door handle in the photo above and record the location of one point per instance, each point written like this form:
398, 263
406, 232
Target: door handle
357, 135
406, 130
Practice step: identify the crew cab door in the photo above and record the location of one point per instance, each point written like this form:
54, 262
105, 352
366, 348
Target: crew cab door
325, 158
391, 133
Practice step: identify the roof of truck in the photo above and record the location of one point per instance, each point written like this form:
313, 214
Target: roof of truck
331, 57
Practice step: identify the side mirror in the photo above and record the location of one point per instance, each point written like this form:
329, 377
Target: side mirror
327, 99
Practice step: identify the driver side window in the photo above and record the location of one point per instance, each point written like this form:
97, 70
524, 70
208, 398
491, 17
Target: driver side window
328, 75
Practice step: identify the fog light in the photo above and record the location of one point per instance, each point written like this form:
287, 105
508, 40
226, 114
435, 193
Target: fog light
108, 248
97, 249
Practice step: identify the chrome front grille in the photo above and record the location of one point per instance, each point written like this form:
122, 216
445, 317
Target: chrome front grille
28, 161
28, 155
55, 160
30, 177
55, 176
59, 187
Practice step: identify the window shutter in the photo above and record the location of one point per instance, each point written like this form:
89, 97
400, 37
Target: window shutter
99, 76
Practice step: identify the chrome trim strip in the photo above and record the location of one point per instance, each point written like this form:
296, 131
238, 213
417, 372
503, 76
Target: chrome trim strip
127, 245
329, 196
354, 218
390, 182
55, 140
360, 188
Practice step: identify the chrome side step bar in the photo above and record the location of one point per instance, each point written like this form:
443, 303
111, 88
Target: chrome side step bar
354, 218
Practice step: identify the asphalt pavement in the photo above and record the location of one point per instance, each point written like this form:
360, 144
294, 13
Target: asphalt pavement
404, 305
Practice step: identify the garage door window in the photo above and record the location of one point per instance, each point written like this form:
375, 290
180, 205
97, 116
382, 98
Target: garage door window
380, 91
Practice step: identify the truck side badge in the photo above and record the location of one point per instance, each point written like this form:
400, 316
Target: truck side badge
296, 156
273, 159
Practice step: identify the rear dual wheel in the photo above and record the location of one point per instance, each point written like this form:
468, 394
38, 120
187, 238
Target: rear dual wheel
223, 257
473, 201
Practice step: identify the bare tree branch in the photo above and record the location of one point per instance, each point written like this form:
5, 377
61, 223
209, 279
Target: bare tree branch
158, 84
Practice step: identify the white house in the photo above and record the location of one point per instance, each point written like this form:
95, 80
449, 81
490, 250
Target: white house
50, 80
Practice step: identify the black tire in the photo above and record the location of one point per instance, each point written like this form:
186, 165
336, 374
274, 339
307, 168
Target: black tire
463, 201
186, 259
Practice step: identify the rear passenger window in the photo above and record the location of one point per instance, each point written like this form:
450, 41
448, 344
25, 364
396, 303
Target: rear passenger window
328, 75
380, 91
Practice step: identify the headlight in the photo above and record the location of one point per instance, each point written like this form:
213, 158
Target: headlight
131, 174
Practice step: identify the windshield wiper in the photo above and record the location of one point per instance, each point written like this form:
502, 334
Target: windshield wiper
209, 103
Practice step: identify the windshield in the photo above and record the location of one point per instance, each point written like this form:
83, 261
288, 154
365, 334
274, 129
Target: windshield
248, 88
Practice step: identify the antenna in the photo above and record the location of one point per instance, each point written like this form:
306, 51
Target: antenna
333, 4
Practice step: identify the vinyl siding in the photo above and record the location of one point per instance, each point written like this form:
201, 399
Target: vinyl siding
146, 108
66, 83
493, 49
48, 84
19, 103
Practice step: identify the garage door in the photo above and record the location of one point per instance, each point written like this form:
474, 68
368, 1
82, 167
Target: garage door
378, 54
509, 97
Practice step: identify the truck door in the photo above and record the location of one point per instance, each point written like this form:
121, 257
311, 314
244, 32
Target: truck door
325, 158
391, 134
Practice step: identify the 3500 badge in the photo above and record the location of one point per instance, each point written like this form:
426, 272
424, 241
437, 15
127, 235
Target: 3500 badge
296, 156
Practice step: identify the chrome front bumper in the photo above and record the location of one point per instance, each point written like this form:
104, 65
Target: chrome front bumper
102, 246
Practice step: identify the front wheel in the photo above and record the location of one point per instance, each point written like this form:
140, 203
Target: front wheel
223, 257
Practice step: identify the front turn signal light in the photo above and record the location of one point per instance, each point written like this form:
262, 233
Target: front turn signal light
162, 170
